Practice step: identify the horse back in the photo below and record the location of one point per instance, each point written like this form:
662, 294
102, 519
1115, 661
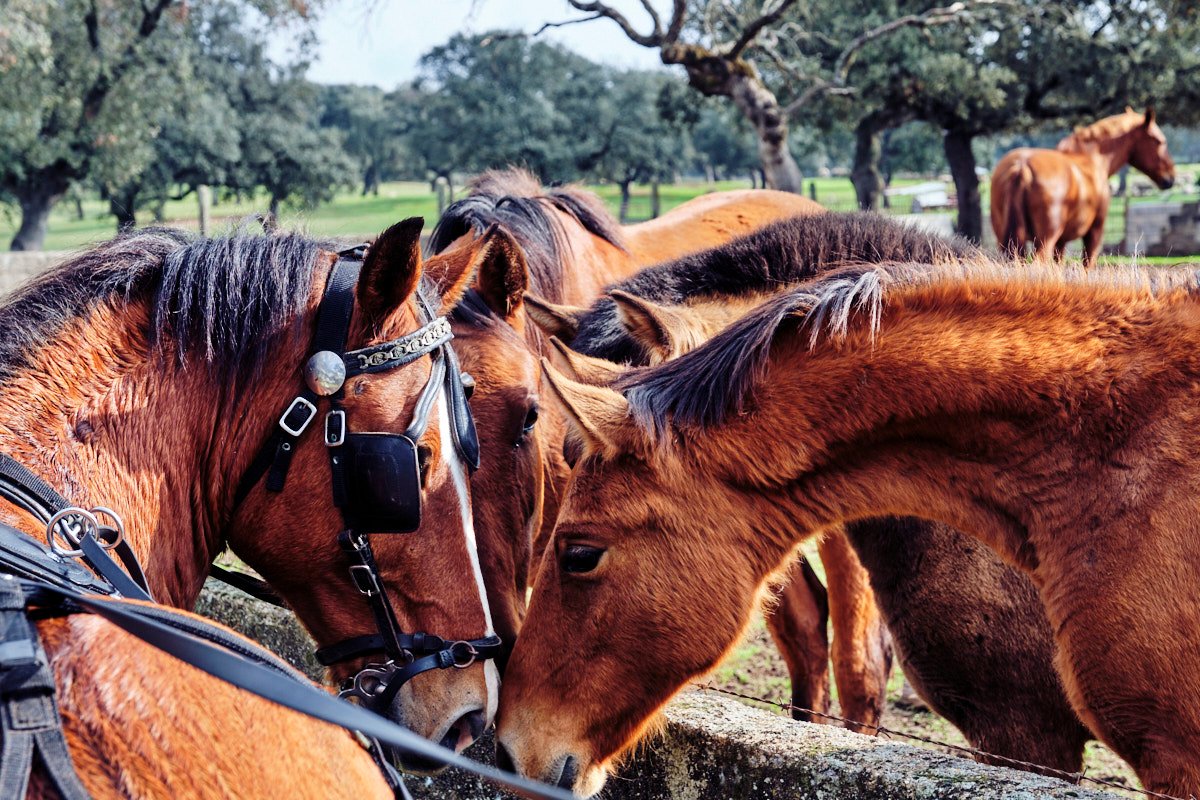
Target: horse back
711, 220
129, 713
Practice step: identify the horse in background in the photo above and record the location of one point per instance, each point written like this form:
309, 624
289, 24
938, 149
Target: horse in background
1052, 197
562, 244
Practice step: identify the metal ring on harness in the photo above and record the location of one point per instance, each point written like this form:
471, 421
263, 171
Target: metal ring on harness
58, 526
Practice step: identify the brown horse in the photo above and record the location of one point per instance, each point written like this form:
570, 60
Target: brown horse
142, 376
969, 630
1050, 415
561, 244
1052, 197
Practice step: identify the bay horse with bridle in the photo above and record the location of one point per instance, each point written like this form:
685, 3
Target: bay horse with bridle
1051, 415
1052, 197
969, 630
162, 377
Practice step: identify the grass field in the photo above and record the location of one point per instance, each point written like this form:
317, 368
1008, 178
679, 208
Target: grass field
352, 215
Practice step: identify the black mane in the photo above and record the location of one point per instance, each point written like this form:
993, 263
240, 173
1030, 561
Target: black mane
217, 299
779, 255
514, 200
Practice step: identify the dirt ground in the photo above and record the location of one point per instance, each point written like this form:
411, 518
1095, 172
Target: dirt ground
756, 669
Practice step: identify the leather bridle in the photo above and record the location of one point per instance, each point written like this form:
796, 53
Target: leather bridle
376, 479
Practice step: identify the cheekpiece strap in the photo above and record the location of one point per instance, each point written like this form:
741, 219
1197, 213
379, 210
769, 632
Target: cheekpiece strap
398, 352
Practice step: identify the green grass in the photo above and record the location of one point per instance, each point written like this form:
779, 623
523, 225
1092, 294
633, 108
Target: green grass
352, 215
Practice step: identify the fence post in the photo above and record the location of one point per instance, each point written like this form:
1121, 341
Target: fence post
812, 190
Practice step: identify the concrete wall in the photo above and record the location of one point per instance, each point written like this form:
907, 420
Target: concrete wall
715, 748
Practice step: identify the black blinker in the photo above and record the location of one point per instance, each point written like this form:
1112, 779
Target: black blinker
383, 482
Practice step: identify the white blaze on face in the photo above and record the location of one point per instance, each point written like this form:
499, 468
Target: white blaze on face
458, 475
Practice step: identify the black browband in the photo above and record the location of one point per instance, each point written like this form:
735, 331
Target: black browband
376, 484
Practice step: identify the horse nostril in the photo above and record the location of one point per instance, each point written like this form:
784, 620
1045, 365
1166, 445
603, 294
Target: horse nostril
465, 730
570, 771
503, 760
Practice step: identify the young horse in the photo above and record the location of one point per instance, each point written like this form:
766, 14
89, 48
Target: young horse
969, 630
143, 376
1052, 416
630, 325
1052, 197
563, 245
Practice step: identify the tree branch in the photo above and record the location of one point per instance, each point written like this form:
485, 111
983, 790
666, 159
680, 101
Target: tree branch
547, 25
678, 17
653, 39
845, 60
752, 30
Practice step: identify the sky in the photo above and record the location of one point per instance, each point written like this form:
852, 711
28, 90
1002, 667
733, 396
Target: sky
379, 41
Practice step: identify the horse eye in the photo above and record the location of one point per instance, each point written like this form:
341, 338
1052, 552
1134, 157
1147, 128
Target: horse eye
579, 558
531, 419
424, 454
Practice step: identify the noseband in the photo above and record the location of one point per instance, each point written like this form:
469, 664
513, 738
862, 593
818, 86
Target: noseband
376, 477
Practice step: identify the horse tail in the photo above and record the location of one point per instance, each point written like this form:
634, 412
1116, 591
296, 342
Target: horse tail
1018, 225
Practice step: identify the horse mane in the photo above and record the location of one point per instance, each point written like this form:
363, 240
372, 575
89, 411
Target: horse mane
514, 199
1102, 130
780, 255
213, 298
716, 381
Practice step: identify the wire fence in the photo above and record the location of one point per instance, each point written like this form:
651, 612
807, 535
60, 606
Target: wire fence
1077, 778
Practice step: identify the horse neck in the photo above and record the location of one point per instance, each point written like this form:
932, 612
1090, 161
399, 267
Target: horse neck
973, 408
590, 263
1109, 154
110, 422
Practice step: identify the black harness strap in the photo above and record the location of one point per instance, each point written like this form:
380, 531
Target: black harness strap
32, 725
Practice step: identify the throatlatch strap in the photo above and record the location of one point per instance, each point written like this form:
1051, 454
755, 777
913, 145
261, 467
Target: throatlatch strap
30, 718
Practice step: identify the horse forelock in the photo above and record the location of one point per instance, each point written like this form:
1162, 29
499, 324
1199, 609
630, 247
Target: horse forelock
533, 216
708, 386
217, 299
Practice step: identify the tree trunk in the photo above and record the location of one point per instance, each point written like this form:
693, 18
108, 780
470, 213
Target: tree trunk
623, 214
370, 181
36, 198
79, 215
121, 208
957, 145
866, 176
204, 203
715, 75
655, 201
273, 210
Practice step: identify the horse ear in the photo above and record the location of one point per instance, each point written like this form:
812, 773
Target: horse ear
453, 270
556, 320
600, 414
503, 275
585, 369
657, 328
1149, 116
390, 271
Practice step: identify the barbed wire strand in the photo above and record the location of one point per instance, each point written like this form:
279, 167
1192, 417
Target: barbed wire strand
1072, 777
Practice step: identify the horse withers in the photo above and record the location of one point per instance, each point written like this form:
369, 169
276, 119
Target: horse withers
145, 375
1052, 197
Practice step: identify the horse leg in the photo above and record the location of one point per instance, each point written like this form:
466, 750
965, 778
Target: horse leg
862, 647
1093, 243
799, 625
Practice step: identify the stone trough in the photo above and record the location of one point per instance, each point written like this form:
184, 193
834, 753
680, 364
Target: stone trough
714, 748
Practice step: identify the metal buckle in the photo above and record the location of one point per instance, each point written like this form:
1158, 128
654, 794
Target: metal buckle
463, 653
335, 432
71, 532
298, 404
364, 579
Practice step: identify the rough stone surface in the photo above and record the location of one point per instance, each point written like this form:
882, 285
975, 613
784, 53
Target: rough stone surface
274, 628
712, 747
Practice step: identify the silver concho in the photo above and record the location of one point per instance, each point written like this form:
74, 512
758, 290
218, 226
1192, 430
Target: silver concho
325, 373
